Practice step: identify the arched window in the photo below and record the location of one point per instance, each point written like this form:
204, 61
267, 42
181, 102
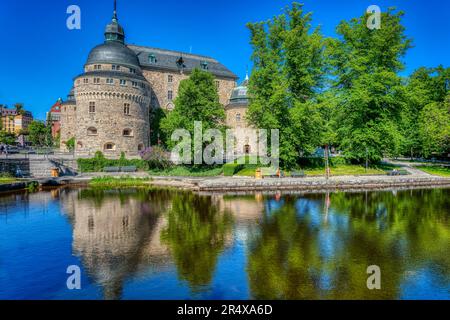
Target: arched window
127, 132
92, 131
238, 117
110, 146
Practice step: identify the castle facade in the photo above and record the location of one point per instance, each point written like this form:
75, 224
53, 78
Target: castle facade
109, 106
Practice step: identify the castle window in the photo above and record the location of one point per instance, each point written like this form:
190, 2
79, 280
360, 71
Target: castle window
132, 70
170, 95
152, 58
204, 65
85, 80
110, 146
92, 131
134, 83
217, 84
97, 67
96, 80
109, 81
123, 82
127, 133
115, 67
126, 109
238, 117
170, 78
91, 107
140, 147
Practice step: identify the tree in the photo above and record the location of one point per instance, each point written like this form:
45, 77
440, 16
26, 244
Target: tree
288, 73
424, 87
40, 135
157, 135
365, 66
434, 128
7, 138
19, 108
198, 100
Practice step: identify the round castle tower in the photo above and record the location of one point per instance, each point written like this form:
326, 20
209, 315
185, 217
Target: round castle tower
112, 99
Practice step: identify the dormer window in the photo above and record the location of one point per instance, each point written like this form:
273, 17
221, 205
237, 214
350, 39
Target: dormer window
204, 65
152, 58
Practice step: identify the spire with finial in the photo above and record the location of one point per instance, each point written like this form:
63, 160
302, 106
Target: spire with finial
114, 31
114, 19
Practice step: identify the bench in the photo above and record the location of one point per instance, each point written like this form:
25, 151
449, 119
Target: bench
128, 169
397, 173
111, 169
298, 174
269, 173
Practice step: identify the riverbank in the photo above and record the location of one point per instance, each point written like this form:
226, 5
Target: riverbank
242, 184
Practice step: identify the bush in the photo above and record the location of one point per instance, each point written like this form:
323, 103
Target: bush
156, 157
99, 162
230, 169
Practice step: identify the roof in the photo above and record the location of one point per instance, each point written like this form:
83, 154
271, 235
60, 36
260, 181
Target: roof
112, 52
167, 60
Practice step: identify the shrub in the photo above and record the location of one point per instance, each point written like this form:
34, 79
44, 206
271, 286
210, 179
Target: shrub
99, 162
230, 169
156, 157
70, 144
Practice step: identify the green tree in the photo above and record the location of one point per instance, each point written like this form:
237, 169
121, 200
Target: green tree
19, 108
157, 136
40, 135
434, 128
7, 138
365, 65
198, 100
288, 73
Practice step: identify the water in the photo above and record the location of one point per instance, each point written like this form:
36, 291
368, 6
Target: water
144, 244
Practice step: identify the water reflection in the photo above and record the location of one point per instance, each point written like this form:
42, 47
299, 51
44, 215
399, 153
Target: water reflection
304, 246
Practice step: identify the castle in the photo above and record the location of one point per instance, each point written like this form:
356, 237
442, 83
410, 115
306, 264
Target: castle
109, 106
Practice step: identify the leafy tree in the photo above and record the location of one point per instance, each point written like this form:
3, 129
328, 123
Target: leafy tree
7, 138
40, 135
425, 86
19, 108
365, 65
288, 73
157, 136
434, 128
198, 100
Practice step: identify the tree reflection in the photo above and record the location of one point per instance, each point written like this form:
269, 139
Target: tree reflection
314, 248
196, 233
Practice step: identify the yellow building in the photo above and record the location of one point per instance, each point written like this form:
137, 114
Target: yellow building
14, 121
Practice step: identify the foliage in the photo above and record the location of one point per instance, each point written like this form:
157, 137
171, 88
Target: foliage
99, 162
188, 171
7, 138
118, 182
434, 128
156, 157
289, 70
230, 169
70, 144
197, 100
365, 65
40, 135
157, 136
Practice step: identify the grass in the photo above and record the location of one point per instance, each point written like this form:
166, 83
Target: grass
6, 180
119, 182
338, 170
185, 171
436, 170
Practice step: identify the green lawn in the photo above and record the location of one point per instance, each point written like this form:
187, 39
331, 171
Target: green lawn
338, 170
436, 170
7, 180
184, 171
119, 182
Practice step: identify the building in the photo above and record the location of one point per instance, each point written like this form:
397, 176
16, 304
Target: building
109, 106
14, 121
54, 118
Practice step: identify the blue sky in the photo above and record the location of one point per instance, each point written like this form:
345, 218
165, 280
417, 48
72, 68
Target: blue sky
40, 56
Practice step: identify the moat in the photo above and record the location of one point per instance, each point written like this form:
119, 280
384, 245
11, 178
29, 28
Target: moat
160, 244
